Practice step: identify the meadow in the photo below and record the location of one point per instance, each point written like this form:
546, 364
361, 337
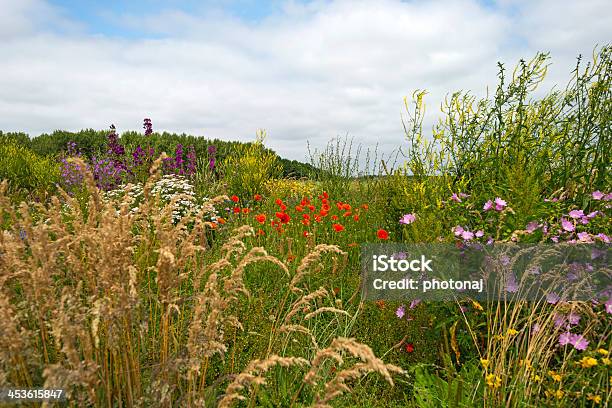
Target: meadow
148, 269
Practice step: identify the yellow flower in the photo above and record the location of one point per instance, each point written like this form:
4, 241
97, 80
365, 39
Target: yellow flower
556, 377
558, 394
595, 398
484, 362
606, 361
525, 363
537, 378
476, 305
493, 381
603, 352
512, 332
498, 337
588, 362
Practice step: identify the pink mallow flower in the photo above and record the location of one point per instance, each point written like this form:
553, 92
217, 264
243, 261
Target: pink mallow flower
479, 234
500, 204
565, 338
488, 205
592, 215
573, 319
579, 342
532, 226
455, 198
603, 237
608, 306
597, 195
407, 219
552, 298
584, 237
467, 235
567, 225
575, 214
400, 312
458, 230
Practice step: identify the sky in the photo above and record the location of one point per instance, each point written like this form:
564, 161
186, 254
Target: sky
305, 71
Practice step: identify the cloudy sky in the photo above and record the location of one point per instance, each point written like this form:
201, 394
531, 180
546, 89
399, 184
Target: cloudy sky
304, 71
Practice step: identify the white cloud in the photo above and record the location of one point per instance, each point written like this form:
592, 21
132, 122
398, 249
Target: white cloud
304, 73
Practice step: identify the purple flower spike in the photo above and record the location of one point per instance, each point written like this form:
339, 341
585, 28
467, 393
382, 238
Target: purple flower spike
148, 127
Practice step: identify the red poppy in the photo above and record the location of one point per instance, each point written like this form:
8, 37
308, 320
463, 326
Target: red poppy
221, 220
347, 214
323, 213
382, 234
336, 291
346, 207
235, 198
283, 217
334, 217
356, 217
409, 347
325, 195
306, 222
365, 206
245, 210
317, 218
299, 208
257, 197
306, 233
236, 210
338, 227
311, 207
261, 218
260, 232
304, 201
283, 207
306, 216
340, 205
278, 201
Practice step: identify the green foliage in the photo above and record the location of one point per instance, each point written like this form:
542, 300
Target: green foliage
246, 171
27, 172
89, 141
16, 137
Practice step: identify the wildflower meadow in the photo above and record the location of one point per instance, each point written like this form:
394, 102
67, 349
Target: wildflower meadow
155, 269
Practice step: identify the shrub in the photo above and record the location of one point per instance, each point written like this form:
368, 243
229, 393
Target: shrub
246, 171
27, 172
